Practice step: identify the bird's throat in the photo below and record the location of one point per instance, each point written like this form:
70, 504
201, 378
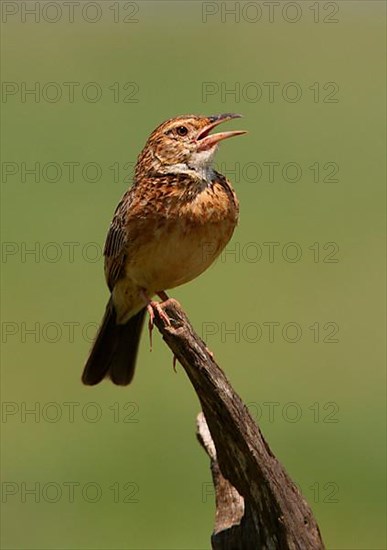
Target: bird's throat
199, 166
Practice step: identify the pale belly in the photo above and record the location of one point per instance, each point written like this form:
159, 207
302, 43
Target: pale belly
175, 255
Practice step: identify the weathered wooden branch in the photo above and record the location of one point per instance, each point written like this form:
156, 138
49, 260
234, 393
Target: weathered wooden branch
257, 504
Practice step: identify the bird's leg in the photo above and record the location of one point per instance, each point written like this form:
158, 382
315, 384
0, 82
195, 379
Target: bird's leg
150, 323
162, 295
156, 305
151, 306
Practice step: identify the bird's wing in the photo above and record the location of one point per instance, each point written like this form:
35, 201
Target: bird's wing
116, 242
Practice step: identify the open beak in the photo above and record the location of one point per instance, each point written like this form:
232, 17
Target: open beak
206, 141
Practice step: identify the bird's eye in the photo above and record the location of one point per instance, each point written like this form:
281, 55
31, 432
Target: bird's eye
182, 130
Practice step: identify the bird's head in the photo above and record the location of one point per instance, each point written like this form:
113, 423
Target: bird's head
185, 145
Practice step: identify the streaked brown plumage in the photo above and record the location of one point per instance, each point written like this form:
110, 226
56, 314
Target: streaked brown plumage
168, 228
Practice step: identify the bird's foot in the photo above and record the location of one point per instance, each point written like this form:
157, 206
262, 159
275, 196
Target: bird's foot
156, 306
151, 307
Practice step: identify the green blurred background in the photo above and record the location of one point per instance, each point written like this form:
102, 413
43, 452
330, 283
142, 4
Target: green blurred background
139, 477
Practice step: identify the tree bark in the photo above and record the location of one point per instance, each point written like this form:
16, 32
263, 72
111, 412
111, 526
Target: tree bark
257, 504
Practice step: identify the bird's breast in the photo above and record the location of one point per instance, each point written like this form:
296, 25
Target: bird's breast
183, 240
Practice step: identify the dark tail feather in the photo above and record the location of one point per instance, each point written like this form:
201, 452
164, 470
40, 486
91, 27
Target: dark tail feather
115, 350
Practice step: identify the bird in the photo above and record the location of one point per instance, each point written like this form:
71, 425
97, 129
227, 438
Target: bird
168, 228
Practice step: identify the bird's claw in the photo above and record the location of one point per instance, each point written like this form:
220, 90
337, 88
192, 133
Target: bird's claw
152, 305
